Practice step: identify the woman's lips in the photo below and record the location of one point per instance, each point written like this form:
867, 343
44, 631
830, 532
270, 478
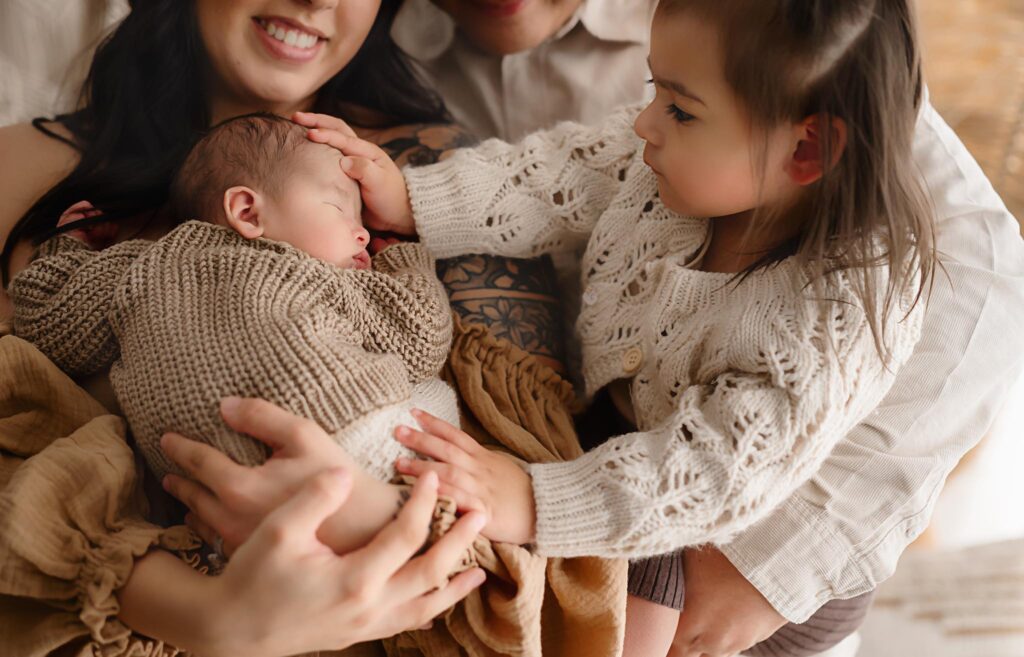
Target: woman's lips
299, 45
500, 9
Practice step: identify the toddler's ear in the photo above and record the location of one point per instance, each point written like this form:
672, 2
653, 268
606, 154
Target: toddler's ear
242, 211
807, 165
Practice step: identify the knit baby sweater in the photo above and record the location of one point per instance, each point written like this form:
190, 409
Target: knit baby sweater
204, 313
740, 389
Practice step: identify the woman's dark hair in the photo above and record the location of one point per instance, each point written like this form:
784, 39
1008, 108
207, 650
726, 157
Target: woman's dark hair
858, 61
144, 104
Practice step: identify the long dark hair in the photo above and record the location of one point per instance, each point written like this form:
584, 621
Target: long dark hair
144, 104
857, 60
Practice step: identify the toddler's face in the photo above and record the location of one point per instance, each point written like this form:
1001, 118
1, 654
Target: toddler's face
318, 210
699, 138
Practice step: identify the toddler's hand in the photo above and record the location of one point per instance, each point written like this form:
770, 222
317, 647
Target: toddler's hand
386, 205
477, 478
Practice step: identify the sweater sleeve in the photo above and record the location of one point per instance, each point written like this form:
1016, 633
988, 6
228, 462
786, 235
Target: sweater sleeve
731, 451
543, 195
63, 299
401, 308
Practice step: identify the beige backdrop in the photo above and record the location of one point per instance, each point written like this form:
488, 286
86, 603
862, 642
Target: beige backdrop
44, 48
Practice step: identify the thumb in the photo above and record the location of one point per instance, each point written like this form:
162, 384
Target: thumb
301, 516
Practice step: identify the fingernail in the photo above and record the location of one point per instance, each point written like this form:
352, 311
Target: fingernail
430, 479
402, 432
230, 404
346, 163
416, 413
164, 483
402, 463
479, 577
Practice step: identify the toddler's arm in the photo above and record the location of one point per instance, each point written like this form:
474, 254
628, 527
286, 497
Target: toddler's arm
731, 451
541, 196
63, 299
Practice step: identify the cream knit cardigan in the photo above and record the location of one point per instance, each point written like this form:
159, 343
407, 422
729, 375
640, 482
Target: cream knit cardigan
203, 313
740, 390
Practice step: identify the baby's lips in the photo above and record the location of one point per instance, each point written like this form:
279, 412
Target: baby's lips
362, 260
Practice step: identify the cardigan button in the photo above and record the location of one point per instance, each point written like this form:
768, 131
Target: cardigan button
632, 359
590, 297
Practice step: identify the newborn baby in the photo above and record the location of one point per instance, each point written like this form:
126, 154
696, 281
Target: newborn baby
271, 294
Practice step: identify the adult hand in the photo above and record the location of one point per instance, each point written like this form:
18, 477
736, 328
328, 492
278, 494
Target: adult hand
724, 614
229, 500
284, 592
474, 476
386, 205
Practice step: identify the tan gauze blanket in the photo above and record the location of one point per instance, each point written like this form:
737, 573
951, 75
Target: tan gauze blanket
72, 520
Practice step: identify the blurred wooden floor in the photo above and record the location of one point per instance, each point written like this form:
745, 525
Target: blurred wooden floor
974, 59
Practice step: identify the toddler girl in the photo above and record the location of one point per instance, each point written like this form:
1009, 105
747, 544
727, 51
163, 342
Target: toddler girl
755, 248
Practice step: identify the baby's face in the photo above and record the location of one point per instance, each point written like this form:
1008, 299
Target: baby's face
318, 210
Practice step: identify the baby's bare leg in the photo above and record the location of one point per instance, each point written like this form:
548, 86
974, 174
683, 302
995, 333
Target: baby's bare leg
650, 628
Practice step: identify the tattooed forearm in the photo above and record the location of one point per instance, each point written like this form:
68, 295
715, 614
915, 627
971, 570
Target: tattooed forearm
425, 144
515, 299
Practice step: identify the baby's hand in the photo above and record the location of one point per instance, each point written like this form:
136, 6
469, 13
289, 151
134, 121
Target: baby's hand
386, 205
97, 235
378, 244
477, 478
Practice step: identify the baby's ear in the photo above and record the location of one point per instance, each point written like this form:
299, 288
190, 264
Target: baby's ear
242, 208
819, 137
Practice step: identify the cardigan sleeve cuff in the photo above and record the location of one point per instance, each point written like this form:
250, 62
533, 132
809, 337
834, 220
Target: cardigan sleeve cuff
402, 257
443, 196
575, 515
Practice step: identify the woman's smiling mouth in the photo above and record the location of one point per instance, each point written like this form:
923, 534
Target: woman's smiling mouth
287, 39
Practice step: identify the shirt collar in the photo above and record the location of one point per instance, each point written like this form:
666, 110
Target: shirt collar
425, 32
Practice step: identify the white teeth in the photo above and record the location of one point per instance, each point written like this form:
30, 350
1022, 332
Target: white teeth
293, 38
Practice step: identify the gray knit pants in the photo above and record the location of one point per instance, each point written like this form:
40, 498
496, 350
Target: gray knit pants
660, 580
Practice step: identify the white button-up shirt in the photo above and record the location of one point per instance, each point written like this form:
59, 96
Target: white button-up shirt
843, 532
596, 63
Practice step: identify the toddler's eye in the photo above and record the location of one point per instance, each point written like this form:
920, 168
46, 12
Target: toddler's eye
679, 115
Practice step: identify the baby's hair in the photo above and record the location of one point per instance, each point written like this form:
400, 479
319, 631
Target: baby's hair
256, 150
857, 60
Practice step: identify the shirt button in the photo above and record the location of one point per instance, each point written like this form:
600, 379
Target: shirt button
590, 297
632, 359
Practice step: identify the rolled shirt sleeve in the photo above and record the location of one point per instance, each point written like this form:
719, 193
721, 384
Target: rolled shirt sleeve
842, 533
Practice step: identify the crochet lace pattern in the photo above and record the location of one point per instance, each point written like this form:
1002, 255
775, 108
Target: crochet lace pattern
740, 388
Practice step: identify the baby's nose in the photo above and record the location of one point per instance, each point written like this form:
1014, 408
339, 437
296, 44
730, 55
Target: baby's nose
362, 236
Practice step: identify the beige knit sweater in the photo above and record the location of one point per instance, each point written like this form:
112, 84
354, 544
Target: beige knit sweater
203, 313
740, 391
